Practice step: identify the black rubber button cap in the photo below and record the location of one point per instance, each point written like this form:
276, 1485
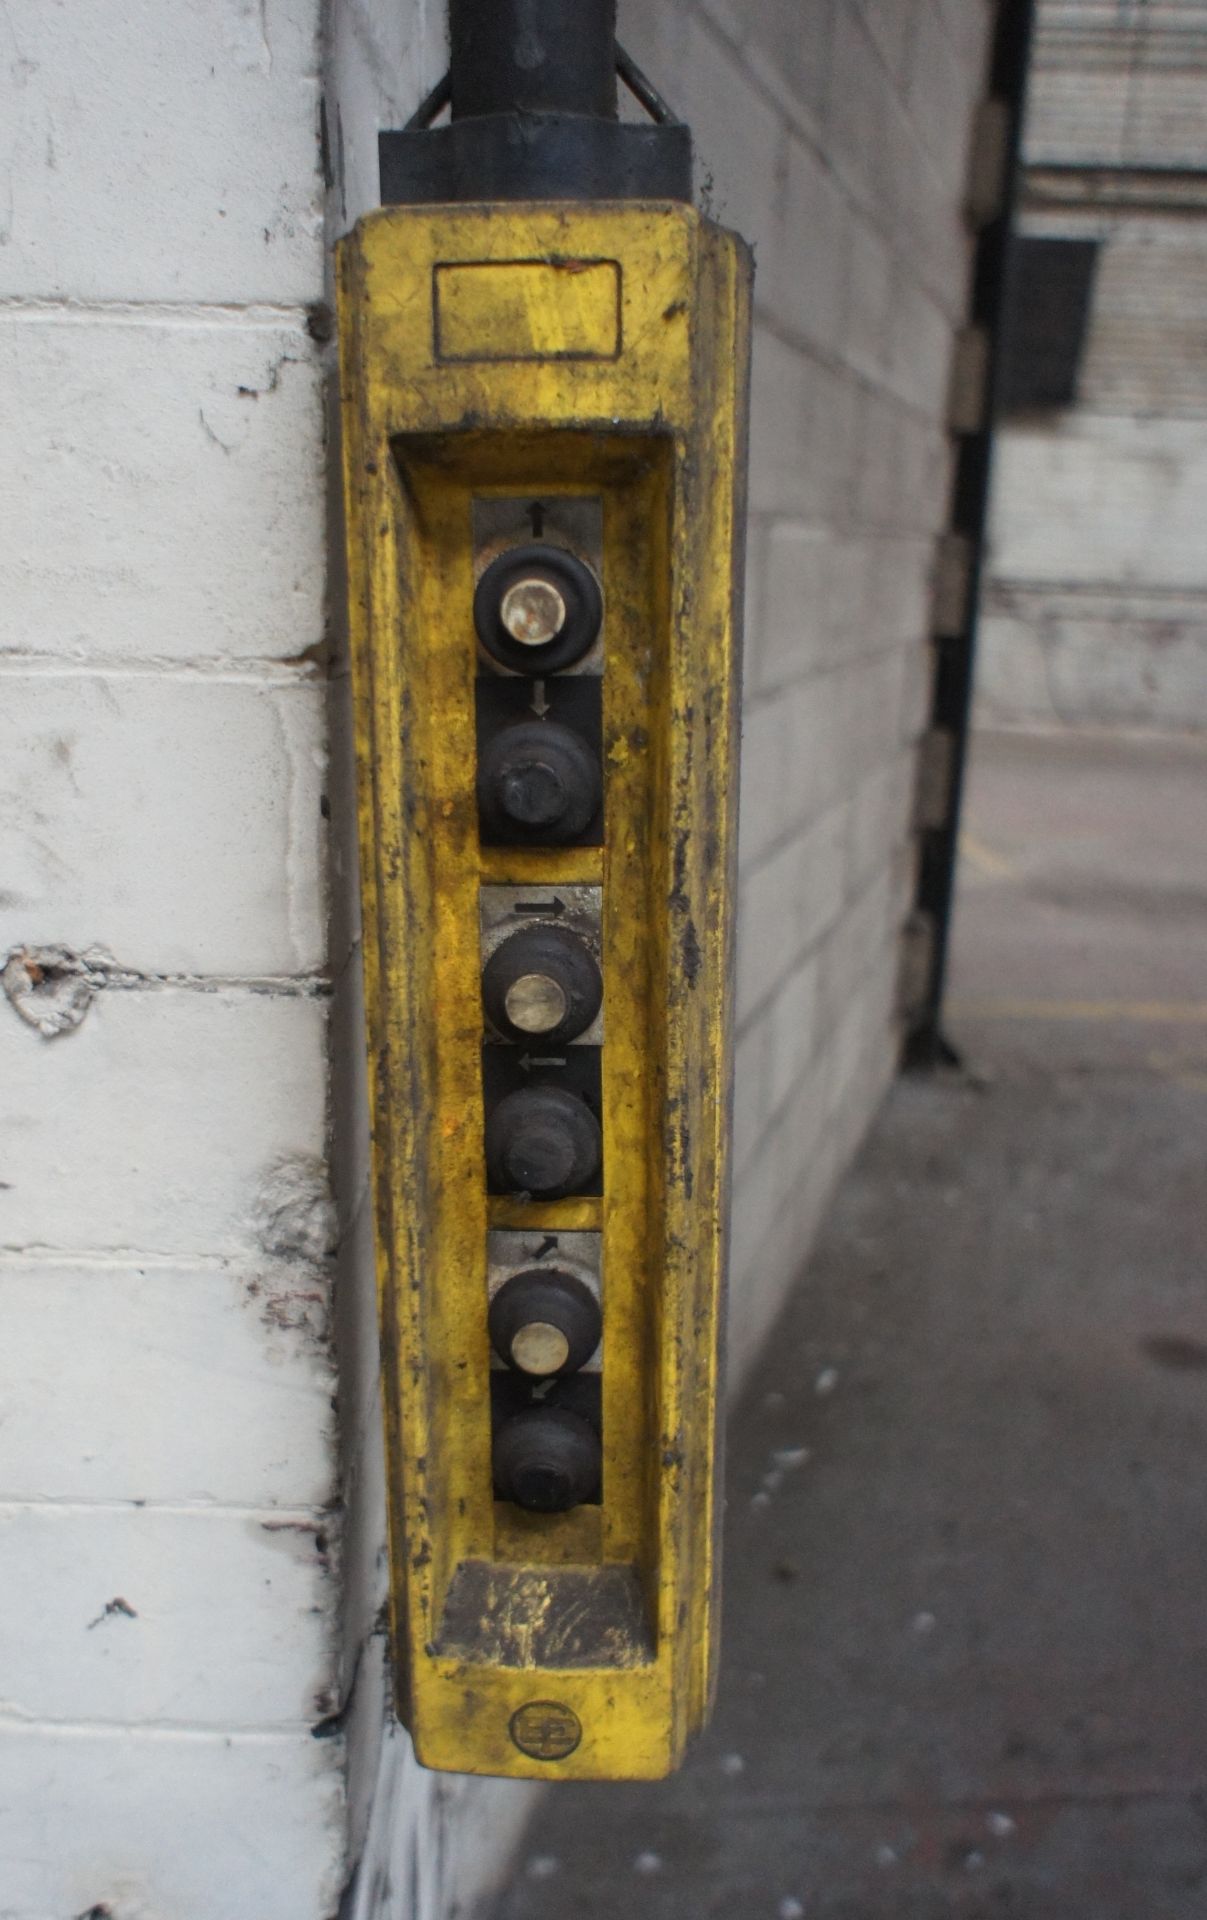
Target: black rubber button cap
550, 953
539, 783
542, 1140
579, 590
547, 1459
545, 1297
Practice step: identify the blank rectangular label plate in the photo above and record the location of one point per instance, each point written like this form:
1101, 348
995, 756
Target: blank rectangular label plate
527, 310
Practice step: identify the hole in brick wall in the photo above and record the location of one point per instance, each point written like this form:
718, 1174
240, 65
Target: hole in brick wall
51, 988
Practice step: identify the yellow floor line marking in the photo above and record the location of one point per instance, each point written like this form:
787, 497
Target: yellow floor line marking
984, 860
1154, 1012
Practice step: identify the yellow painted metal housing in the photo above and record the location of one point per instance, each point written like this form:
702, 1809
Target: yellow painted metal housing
572, 352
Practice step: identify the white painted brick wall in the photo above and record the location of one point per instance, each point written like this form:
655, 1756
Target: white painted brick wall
173, 1822
193, 1582
130, 831
169, 1558
163, 150
117, 425
159, 1125
231, 1410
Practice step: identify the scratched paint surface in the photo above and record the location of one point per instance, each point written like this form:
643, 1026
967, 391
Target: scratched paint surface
656, 433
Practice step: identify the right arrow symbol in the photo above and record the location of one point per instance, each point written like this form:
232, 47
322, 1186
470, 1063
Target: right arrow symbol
540, 906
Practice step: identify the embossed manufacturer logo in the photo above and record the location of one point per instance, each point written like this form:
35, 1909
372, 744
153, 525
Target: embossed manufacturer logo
545, 1730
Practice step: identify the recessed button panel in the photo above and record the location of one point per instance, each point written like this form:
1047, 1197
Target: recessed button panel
538, 613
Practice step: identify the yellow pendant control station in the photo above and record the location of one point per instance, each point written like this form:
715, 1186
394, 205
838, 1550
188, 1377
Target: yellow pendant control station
543, 431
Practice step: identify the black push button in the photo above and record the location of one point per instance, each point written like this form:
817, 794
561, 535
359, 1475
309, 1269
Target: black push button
538, 783
543, 1141
537, 609
544, 1322
547, 1459
542, 983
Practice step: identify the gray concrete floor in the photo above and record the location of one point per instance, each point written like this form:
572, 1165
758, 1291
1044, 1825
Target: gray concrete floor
965, 1651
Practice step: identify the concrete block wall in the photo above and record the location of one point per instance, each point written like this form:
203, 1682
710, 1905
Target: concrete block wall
167, 1438
838, 137
1095, 604
1117, 83
1095, 607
